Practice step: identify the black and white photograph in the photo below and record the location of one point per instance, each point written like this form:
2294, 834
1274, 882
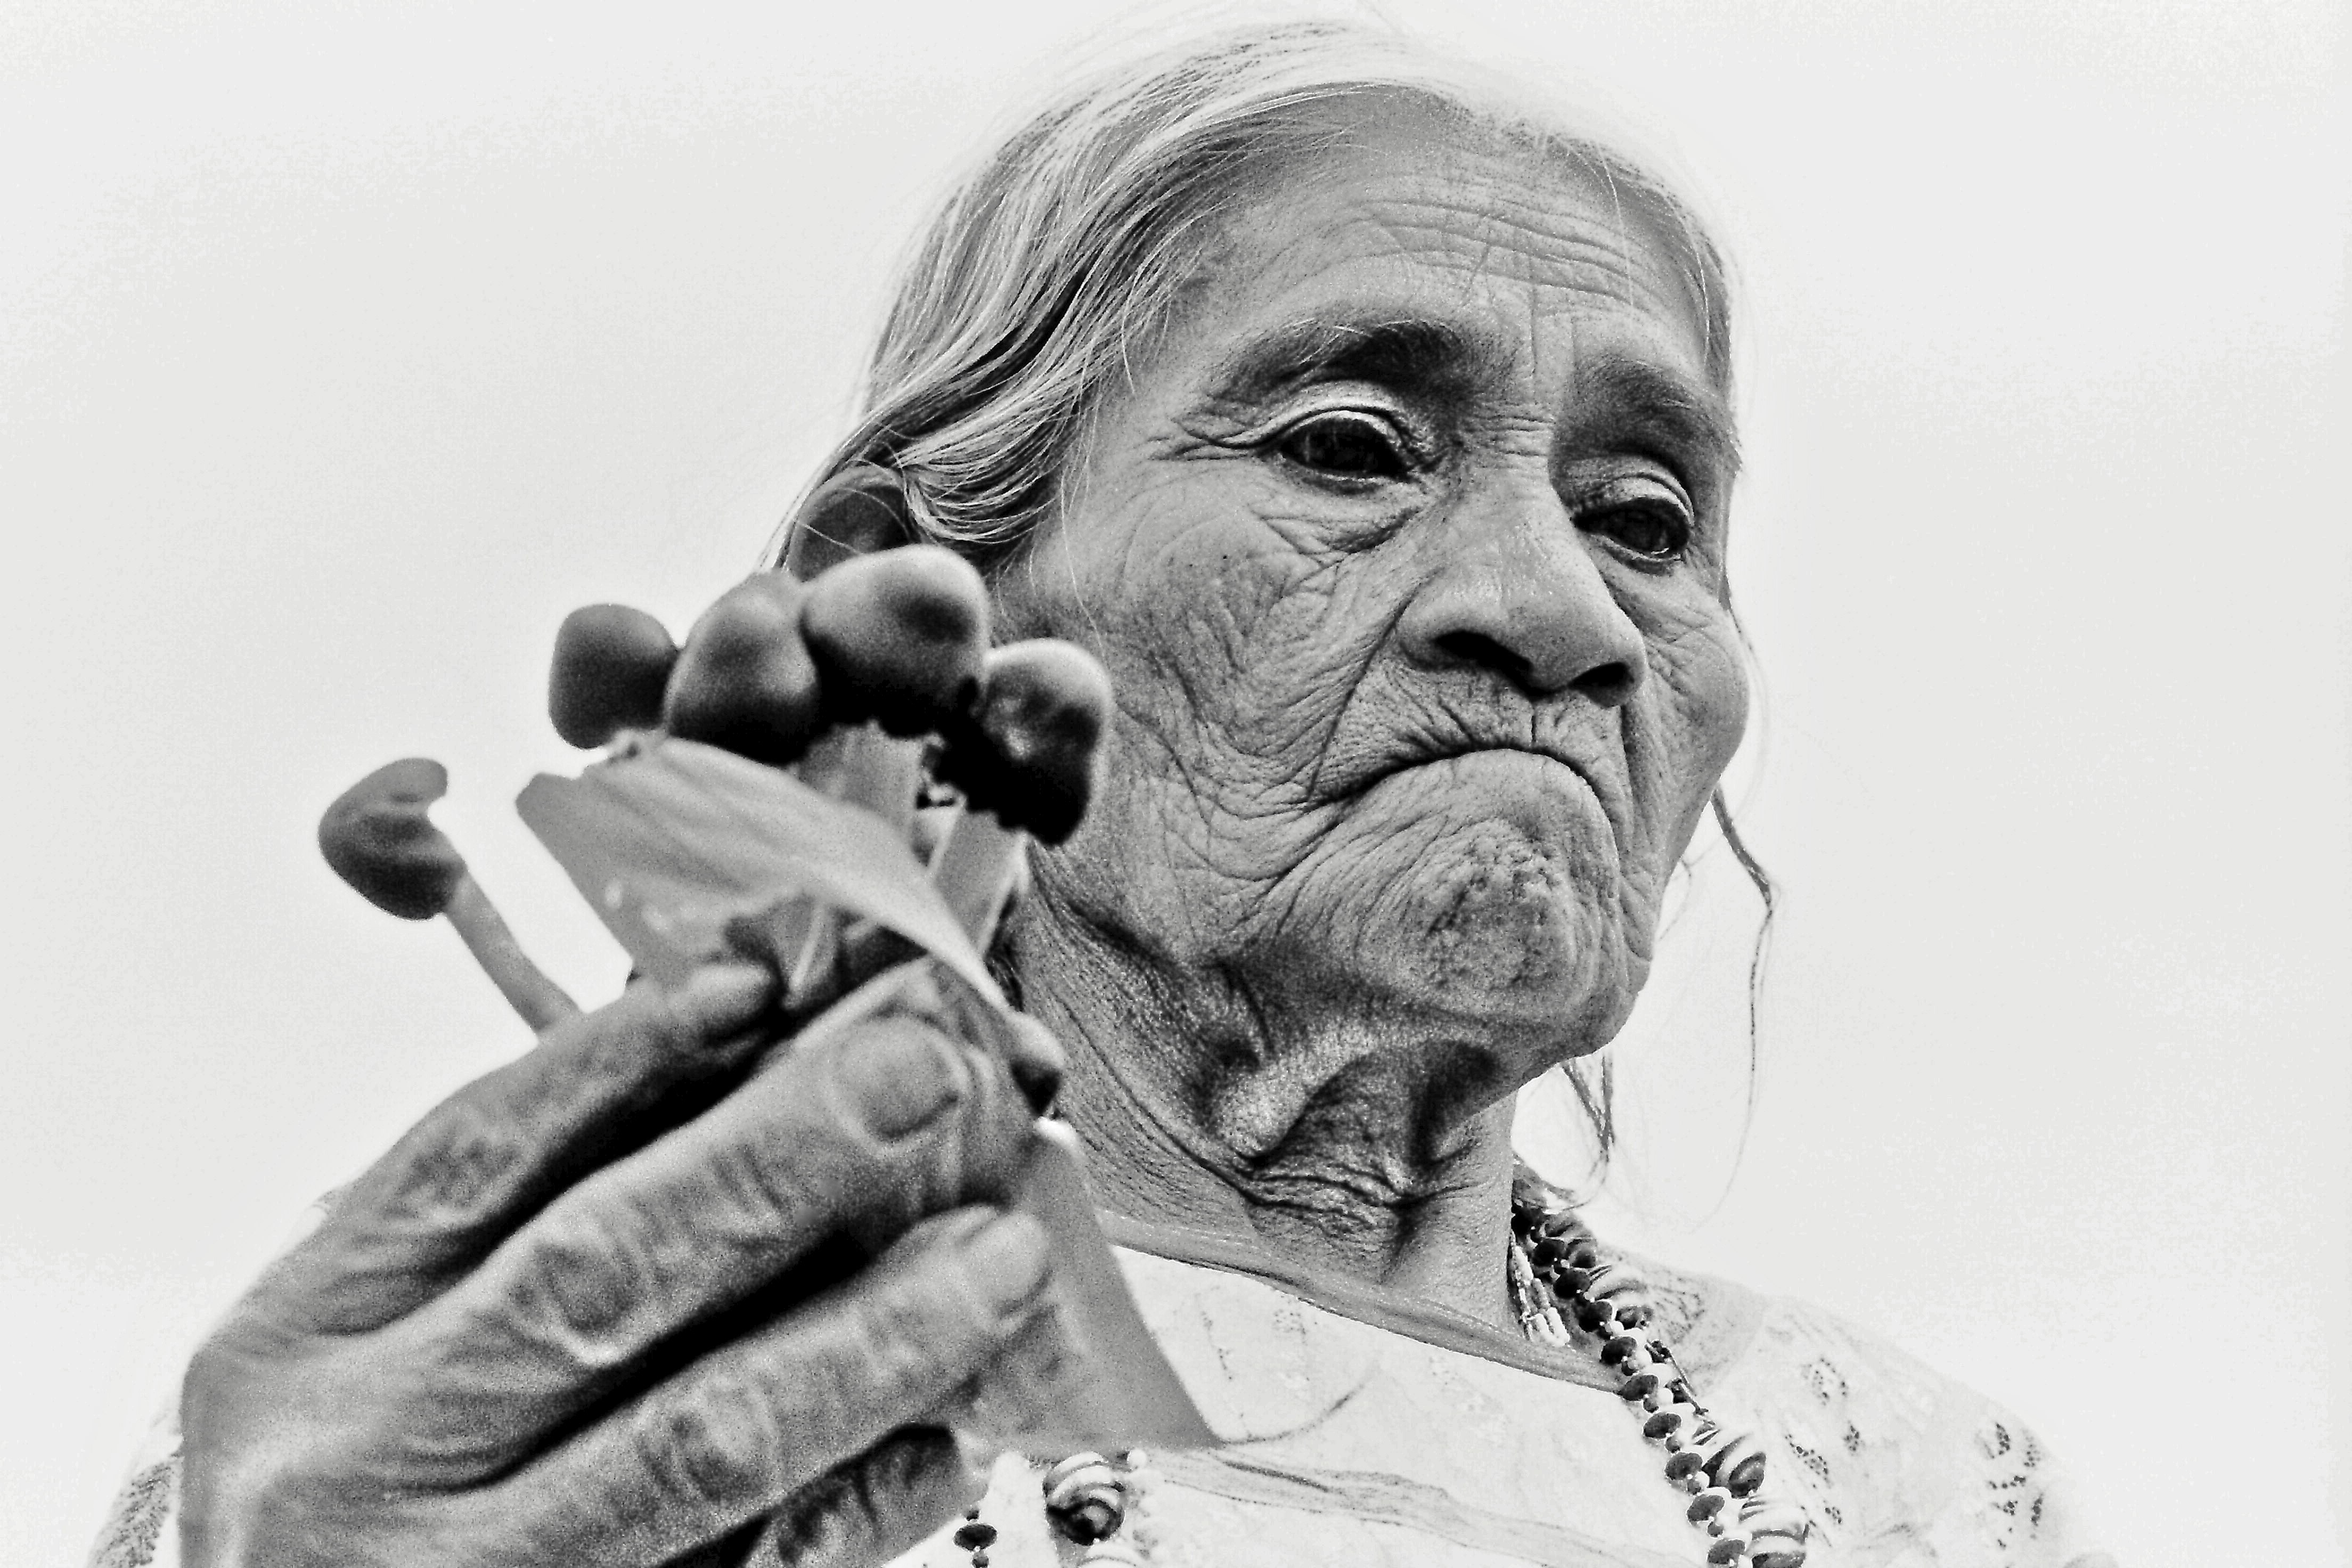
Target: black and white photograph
1349, 784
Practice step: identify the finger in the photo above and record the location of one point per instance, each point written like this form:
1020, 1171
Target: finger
857, 1132
745, 1428
466, 1175
873, 1509
1035, 1059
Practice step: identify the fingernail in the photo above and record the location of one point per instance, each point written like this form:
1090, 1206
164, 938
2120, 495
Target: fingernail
901, 1074
1008, 1258
720, 998
1037, 1062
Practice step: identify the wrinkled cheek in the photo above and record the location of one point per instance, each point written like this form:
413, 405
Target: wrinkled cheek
1692, 714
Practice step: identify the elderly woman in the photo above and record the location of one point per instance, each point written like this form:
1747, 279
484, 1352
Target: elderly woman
1374, 432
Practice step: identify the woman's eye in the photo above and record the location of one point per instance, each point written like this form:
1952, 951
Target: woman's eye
1656, 527
1346, 446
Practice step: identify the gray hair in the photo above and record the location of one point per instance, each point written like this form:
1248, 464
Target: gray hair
1061, 254
1058, 258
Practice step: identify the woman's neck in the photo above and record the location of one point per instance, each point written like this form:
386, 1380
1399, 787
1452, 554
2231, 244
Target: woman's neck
1333, 1142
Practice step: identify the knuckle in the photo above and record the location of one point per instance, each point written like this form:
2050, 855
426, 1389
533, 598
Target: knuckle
892, 1354
715, 1448
898, 1074
577, 1292
875, 1507
765, 1189
459, 1172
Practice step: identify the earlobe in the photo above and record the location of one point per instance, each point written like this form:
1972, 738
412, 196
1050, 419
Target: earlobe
859, 510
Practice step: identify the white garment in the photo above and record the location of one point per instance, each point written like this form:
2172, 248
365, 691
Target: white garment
1387, 1448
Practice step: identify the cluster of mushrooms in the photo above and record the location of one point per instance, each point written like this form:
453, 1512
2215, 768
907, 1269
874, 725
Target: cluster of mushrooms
875, 681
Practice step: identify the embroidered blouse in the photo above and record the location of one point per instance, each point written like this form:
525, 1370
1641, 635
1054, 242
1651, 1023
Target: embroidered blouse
1380, 1431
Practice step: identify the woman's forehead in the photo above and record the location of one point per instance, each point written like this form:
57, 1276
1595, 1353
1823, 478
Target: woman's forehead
1523, 256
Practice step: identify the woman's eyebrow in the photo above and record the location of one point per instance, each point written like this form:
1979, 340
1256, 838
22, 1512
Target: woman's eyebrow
1410, 351
1626, 397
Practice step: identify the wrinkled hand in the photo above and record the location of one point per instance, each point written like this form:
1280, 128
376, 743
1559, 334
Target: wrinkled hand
628, 1297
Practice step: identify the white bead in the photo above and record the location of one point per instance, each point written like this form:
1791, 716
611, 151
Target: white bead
1068, 1467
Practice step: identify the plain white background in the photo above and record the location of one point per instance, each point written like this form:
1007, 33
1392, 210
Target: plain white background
343, 348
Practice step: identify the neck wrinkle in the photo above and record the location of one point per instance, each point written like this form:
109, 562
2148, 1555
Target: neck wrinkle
1155, 1156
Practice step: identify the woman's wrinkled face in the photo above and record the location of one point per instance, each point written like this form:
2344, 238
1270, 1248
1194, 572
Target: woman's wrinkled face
1405, 549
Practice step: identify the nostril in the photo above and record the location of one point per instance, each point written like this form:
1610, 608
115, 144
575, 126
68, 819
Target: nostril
1482, 652
1609, 684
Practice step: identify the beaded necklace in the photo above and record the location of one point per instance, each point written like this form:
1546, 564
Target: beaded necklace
1565, 1293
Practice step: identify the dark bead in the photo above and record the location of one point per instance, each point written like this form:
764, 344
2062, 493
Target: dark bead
1736, 1463
973, 1535
1091, 1521
1649, 1380
980, 1560
1672, 1425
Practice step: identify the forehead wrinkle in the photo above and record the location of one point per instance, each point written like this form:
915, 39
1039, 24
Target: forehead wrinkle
1567, 254
1360, 257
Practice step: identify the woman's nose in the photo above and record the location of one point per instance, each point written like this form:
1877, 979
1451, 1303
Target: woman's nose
1516, 592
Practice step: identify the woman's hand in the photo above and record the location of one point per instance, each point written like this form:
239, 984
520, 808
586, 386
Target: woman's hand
624, 1298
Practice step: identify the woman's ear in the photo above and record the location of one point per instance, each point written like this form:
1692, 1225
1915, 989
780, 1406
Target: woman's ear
859, 510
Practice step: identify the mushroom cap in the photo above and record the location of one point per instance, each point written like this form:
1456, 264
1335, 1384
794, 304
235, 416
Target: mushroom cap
1030, 750
611, 667
899, 636
378, 838
745, 682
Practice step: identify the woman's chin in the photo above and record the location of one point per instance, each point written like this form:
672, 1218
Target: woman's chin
1503, 936
1568, 978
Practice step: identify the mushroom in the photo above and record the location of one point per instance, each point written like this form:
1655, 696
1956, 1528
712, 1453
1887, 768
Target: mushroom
611, 670
1025, 759
378, 838
745, 682
898, 637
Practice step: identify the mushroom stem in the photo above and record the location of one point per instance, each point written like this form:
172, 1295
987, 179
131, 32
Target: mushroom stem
542, 1002
861, 765
976, 868
380, 838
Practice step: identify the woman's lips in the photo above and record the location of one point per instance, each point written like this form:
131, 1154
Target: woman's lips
1476, 753
1499, 763
1599, 784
